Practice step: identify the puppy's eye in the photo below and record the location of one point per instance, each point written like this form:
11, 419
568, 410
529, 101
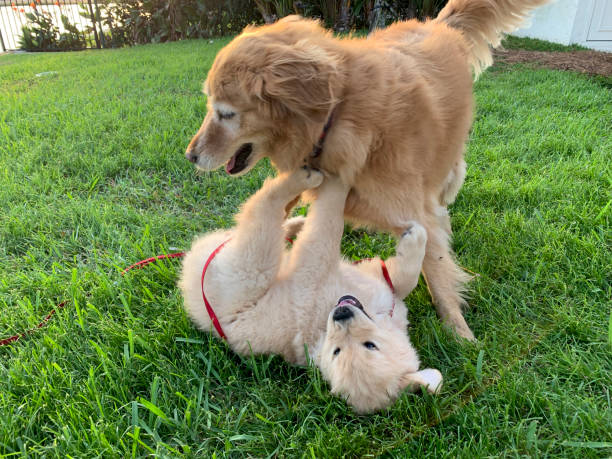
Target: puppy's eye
226, 115
337, 351
370, 345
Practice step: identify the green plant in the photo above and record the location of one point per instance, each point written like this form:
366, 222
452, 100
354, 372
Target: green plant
40, 34
72, 38
132, 22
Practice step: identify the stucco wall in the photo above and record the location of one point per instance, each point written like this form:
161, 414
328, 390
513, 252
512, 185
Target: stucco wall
553, 22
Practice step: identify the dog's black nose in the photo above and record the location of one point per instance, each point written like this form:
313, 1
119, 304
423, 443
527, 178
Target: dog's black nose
191, 157
342, 313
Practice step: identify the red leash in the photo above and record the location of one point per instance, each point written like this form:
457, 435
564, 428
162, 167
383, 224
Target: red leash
140, 264
209, 309
143, 263
14, 338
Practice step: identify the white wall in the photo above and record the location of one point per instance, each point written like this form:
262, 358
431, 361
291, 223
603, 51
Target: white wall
553, 22
571, 22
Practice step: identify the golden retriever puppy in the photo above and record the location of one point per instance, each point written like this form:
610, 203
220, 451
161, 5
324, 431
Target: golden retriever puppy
396, 109
269, 300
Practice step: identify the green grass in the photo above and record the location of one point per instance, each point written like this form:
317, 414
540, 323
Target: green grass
533, 44
93, 178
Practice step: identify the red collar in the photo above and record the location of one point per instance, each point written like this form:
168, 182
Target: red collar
385, 273
211, 311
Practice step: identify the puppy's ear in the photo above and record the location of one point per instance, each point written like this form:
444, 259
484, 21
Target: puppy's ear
300, 79
429, 378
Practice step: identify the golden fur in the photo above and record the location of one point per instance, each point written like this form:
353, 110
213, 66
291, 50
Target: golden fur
272, 300
402, 108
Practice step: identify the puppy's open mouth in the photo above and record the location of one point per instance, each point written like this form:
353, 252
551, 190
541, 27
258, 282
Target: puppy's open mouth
240, 160
350, 300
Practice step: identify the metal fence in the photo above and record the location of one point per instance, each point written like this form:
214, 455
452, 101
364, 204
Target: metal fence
79, 13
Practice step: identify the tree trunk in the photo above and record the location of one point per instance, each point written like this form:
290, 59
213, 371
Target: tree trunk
342, 24
378, 17
264, 8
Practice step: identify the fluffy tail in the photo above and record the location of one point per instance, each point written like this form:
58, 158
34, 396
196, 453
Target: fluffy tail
484, 22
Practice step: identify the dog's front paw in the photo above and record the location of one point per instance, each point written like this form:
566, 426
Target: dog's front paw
413, 239
306, 178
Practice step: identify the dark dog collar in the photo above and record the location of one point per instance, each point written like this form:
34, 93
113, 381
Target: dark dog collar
318, 147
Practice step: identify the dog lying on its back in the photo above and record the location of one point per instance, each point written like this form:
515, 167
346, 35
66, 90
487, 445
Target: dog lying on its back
270, 300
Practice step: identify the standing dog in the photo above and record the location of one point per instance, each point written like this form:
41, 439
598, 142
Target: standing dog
268, 300
398, 106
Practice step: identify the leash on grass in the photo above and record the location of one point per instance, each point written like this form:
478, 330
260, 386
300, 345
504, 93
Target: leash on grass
18, 336
209, 308
140, 264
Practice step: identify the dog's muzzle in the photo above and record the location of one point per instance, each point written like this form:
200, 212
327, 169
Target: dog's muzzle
343, 311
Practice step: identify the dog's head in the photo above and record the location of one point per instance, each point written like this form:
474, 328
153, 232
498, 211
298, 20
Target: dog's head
268, 91
368, 361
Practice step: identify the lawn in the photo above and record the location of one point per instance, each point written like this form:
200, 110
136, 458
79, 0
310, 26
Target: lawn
93, 178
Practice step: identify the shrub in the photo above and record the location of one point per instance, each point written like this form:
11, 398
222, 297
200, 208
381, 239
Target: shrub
356, 14
40, 34
129, 22
132, 21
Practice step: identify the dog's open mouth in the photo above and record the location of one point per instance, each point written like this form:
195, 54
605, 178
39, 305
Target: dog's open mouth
350, 300
240, 160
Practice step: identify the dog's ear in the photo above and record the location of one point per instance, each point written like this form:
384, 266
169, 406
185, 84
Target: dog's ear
300, 79
429, 378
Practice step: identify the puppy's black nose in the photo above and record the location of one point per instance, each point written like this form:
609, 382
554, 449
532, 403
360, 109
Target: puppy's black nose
191, 156
342, 313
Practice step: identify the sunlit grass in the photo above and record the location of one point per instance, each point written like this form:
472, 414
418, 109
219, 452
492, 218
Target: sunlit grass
93, 178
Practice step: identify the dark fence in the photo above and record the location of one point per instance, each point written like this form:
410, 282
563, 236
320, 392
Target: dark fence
73, 23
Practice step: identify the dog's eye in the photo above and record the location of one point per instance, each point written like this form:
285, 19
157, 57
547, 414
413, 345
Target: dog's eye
225, 115
370, 345
337, 351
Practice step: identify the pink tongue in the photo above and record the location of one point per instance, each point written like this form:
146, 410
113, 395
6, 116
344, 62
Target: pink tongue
230, 165
345, 303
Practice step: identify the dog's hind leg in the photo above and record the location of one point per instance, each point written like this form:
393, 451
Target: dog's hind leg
405, 267
445, 279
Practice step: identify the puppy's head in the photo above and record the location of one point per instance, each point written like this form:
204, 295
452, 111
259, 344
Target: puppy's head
370, 362
268, 87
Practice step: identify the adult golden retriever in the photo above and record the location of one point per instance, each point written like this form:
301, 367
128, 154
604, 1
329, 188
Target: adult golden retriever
400, 104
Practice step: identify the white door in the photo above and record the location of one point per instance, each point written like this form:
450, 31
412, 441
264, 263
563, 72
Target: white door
601, 21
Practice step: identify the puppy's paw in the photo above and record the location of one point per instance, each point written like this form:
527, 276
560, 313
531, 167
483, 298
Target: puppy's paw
432, 379
413, 239
429, 378
306, 178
